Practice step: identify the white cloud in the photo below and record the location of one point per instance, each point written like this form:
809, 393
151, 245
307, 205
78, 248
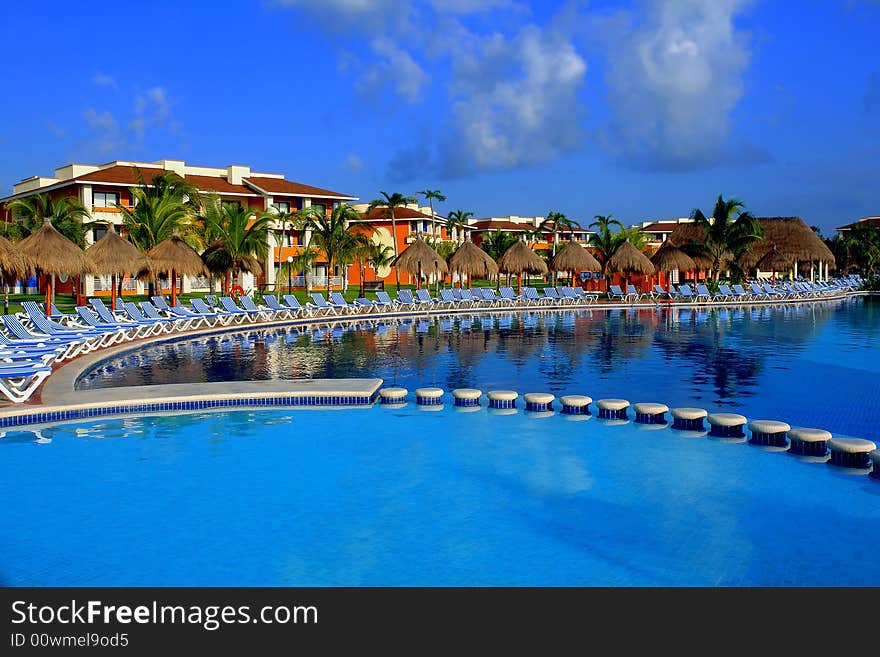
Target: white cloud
342, 15
353, 162
395, 66
673, 81
151, 108
104, 128
516, 102
104, 80
469, 6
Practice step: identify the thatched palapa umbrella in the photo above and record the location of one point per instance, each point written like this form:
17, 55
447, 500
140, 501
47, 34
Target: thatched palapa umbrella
471, 260
791, 238
519, 259
669, 258
574, 258
420, 258
53, 254
629, 260
774, 261
114, 256
13, 265
174, 256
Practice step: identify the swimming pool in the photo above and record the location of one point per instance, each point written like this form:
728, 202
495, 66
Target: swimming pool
810, 364
381, 496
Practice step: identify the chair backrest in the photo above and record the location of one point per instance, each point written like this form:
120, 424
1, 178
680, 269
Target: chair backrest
508, 293
467, 295
384, 297
319, 300
38, 318
133, 311
702, 290
446, 295
292, 301
739, 289
568, 291
405, 296
200, 306
159, 302
757, 289
14, 326
725, 290
685, 290
86, 315
102, 310
488, 294
616, 291
631, 289
531, 293
150, 311
247, 303
338, 299
551, 293
211, 300
272, 302
659, 290
424, 296
229, 305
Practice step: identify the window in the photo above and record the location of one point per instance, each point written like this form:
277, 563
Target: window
283, 206
98, 233
232, 204
323, 208
105, 199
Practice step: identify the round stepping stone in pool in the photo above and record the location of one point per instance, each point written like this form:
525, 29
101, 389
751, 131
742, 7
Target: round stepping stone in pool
650, 413
769, 432
851, 452
429, 396
538, 401
809, 442
392, 395
688, 419
726, 425
467, 396
502, 398
576, 404
612, 408
875, 460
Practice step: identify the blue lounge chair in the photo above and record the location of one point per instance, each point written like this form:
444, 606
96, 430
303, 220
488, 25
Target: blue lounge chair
634, 294
448, 299
149, 311
385, 302
509, 297
725, 293
685, 293
339, 301
488, 295
532, 298
228, 305
424, 297
22, 337
703, 292
470, 297
553, 295
199, 307
124, 332
250, 306
98, 337
20, 379
367, 305
184, 313
143, 328
406, 298
133, 312
291, 301
615, 293
319, 302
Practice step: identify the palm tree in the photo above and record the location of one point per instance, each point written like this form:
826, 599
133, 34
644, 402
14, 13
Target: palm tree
457, 219
391, 202
603, 241
241, 243
302, 263
67, 215
728, 234
497, 242
330, 233
431, 195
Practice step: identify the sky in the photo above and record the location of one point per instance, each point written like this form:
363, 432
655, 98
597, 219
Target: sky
645, 109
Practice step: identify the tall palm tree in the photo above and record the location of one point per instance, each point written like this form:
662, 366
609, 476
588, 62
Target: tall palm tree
497, 242
457, 219
302, 263
432, 195
241, 243
330, 233
603, 241
67, 214
728, 234
391, 202
557, 220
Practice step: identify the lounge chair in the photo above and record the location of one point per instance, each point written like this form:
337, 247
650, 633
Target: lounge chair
553, 295
741, 292
424, 297
725, 293
703, 292
319, 302
228, 305
385, 302
659, 293
470, 297
199, 307
634, 294
165, 324
339, 301
406, 298
20, 379
685, 293
447, 298
291, 301
98, 337
509, 297
176, 322
532, 298
124, 332
22, 337
614, 292
144, 329
366, 305
489, 296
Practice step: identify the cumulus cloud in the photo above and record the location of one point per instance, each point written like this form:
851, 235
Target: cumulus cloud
105, 135
673, 81
393, 66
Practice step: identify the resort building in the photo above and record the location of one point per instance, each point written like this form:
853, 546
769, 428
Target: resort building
659, 231
525, 228
864, 222
101, 188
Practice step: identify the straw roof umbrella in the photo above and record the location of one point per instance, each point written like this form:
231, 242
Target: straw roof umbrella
13, 265
669, 258
792, 238
774, 261
420, 258
174, 256
53, 254
519, 259
574, 258
629, 260
471, 260
114, 256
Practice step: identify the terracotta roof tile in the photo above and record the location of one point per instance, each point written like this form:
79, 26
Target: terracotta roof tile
281, 186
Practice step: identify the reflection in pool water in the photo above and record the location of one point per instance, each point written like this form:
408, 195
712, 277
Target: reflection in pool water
384, 496
812, 365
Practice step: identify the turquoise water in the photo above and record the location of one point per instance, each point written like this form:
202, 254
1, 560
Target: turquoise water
380, 496
811, 364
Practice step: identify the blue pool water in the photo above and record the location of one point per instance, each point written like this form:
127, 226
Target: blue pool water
813, 365
378, 496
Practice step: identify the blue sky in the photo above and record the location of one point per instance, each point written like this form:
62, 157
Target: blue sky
645, 109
